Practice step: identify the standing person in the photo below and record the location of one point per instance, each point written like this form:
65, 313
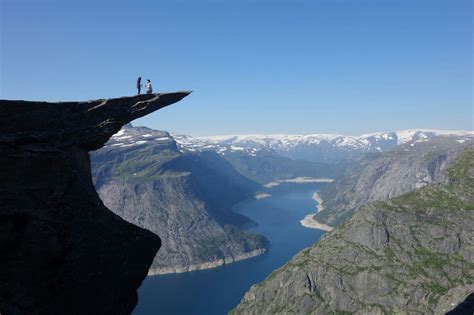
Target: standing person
149, 89
139, 84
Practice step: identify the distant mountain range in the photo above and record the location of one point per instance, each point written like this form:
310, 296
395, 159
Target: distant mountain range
329, 148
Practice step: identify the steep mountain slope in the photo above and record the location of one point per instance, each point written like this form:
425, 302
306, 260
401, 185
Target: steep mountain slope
395, 257
382, 176
318, 147
185, 197
62, 250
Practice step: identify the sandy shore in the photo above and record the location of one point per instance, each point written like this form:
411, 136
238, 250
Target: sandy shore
299, 180
310, 222
317, 198
261, 196
206, 265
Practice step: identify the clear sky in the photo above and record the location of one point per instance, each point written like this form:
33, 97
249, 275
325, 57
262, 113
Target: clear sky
311, 66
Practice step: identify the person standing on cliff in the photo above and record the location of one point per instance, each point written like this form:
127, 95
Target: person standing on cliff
139, 84
149, 89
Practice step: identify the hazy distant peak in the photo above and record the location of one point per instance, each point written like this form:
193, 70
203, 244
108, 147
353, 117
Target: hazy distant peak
317, 147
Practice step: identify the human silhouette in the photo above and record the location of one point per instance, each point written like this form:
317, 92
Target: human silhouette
139, 84
149, 89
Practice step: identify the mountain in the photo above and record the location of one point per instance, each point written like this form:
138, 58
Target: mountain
409, 254
261, 164
327, 148
186, 197
62, 250
374, 177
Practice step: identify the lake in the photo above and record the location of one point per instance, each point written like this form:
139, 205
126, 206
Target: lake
217, 290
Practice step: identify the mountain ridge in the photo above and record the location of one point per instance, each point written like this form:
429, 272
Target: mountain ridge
316, 147
403, 134
378, 177
409, 254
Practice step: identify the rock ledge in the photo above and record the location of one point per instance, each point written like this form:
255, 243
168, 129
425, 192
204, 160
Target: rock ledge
63, 251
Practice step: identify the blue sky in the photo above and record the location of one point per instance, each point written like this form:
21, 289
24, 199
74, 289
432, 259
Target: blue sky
255, 66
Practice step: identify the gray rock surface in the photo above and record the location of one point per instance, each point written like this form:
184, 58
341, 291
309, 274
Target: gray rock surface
62, 250
186, 198
383, 176
401, 256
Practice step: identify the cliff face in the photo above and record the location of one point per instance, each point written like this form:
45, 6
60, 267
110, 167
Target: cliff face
410, 254
391, 174
63, 251
186, 198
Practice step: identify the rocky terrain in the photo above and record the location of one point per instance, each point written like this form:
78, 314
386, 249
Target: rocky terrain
62, 250
185, 197
374, 177
413, 254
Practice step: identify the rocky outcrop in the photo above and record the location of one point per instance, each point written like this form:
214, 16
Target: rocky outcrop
62, 250
186, 198
391, 174
406, 255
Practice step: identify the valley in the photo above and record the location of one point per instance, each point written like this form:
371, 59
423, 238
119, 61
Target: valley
236, 157
215, 291
244, 205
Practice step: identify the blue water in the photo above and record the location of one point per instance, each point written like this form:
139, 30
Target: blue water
217, 290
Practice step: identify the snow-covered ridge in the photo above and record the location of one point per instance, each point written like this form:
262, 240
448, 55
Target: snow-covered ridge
284, 141
130, 136
314, 147
402, 135
317, 147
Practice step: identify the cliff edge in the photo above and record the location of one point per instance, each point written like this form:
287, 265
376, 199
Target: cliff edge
63, 251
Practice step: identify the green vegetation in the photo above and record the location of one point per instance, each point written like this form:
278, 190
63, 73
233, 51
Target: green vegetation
436, 291
139, 165
455, 196
250, 240
463, 168
437, 197
429, 259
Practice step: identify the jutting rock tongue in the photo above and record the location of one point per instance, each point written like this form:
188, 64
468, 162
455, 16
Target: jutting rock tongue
62, 250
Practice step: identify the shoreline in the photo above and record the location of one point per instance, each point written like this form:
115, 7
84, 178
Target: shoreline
215, 263
310, 222
262, 196
205, 265
299, 180
319, 200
